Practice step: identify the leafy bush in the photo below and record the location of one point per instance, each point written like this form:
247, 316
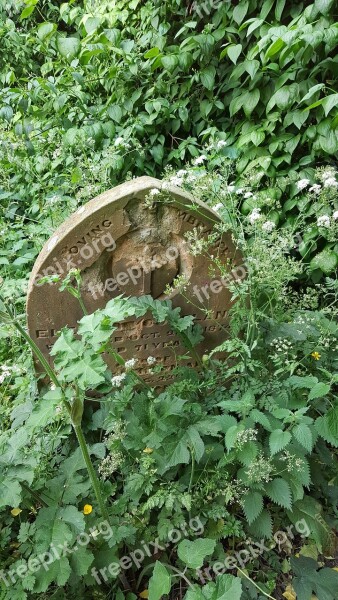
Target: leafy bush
165, 78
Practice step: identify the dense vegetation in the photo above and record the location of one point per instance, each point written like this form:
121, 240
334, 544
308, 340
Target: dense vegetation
224, 484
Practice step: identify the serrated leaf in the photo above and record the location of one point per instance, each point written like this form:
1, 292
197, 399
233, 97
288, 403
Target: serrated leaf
278, 440
262, 526
332, 421
252, 506
319, 390
322, 428
303, 435
279, 491
194, 553
159, 583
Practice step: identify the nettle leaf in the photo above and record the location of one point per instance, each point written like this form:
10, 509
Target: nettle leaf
303, 435
323, 429
332, 421
278, 440
261, 418
81, 560
247, 453
319, 390
159, 583
194, 553
279, 491
252, 506
262, 526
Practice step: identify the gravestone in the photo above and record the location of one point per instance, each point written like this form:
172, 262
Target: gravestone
124, 245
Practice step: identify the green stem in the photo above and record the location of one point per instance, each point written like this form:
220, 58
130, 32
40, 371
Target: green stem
91, 471
192, 470
255, 584
84, 310
47, 368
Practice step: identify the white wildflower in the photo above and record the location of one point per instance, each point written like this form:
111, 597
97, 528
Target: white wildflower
323, 221
230, 188
191, 178
151, 360
248, 194
154, 192
330, 182
130, 364
239, 191
335, 215
255, 215
176, 181
268, 226
181, 173
302, 184
165, 185
117, 380
220, 144
315, 189
200, 159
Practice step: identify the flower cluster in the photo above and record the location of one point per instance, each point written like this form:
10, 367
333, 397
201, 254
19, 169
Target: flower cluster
293, 463
130, 364
255, 215
118, 379
247, 435
110, 464
261, 470
325, 220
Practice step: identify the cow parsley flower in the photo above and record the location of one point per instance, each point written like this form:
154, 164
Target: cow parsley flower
200, 159
330, 182
315, 189
151, 360
130, 364
323, 221
220, 144
176, 181
154, 192
248, 194
302, 184
181, 173
268, 226
117, 380
335, 215
255, 215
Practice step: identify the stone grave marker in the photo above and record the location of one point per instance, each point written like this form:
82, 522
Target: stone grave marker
123, 245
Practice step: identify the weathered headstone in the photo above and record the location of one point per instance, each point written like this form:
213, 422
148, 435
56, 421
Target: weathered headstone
123, 245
